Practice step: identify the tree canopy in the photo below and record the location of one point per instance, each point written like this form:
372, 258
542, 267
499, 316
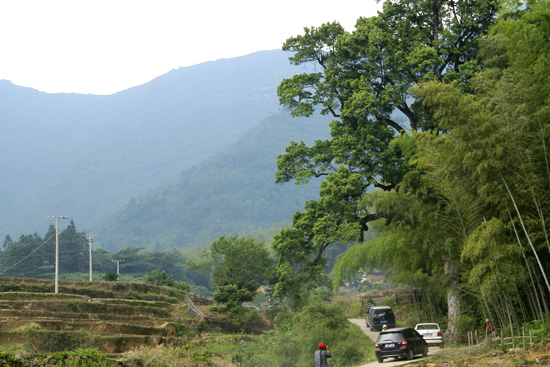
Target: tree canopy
364, 82
439, 142
239, 265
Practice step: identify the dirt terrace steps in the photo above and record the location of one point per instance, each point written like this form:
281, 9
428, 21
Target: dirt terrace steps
90, 306
112, 316
5, 297
36, 295
31, 314
92, 289
102, 328
106, 343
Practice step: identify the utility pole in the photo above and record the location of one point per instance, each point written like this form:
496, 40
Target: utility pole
118, 261
57, 250
90, 242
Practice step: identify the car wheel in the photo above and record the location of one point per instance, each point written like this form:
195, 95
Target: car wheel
425, 352
410, 354
441, 346
380, 359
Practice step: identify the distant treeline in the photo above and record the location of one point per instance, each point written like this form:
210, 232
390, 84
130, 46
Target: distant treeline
33, 256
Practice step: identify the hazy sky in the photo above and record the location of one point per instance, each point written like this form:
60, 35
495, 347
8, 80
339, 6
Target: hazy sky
105, 46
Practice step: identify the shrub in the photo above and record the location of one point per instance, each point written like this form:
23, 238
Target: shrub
388, 301
296, 340
110, 276
352, 308
539, 329
7, 359
51, 341
165, 356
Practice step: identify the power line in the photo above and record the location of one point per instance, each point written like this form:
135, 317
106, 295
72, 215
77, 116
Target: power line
32, 252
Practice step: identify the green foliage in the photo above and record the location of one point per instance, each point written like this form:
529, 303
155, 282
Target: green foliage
488, 174
110, 276
7, 359
245, 318
388, 301
239, 266
296, 339
364, 80
168, 356
351, 308
38, 263
539, 329
89, 357
46, 341
465, 323
232, 296
158, 277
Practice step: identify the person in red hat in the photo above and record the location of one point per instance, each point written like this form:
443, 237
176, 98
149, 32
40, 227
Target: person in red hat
321, 356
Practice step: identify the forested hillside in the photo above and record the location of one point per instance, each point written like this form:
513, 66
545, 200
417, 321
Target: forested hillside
232, 192
85, 155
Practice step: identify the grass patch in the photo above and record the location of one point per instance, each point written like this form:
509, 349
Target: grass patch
47, 341
188, 355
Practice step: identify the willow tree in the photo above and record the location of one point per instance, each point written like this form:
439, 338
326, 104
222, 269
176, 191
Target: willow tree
363, 80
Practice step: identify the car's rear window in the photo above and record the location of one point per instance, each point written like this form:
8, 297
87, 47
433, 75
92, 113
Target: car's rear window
383, 312
427, 327
393, 336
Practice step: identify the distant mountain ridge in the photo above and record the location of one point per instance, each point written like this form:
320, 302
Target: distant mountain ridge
231, 192
86, 156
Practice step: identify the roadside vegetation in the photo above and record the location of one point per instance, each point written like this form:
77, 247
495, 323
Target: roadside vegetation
449, 201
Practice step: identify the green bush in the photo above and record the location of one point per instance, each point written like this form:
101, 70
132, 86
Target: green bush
110, 276
539, 329
296, 340
166, 356
388, 301
7, 359
89, 357
45, 341
352, 308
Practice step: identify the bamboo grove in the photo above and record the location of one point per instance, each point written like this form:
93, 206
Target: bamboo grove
438, 166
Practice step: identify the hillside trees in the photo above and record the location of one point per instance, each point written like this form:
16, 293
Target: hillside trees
28, 256
73, 250
34, 256
363, 81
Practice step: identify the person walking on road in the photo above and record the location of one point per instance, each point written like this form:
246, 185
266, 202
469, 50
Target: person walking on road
321, 356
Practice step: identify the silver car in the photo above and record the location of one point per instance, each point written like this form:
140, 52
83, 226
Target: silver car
431, 332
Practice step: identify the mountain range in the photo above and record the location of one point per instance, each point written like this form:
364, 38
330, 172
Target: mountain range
168, 164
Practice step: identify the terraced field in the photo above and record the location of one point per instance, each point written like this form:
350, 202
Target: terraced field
112, 316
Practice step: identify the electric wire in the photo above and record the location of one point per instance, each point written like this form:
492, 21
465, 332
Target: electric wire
23, 259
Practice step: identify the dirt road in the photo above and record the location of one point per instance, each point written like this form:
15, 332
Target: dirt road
373, 335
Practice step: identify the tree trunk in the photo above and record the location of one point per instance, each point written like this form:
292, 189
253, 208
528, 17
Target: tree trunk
453, 301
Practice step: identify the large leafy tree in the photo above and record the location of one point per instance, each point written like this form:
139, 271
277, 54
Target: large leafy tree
363, 79
239, 266
478, 197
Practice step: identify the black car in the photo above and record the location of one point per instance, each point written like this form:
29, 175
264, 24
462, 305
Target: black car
379, 316
400, 342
